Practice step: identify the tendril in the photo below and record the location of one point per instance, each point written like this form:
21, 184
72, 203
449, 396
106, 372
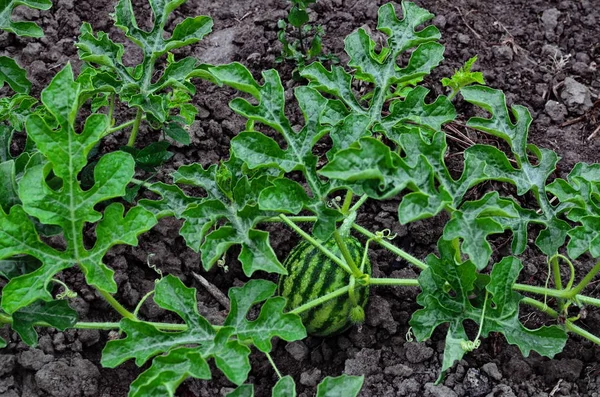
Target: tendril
154, 267
409, 335
67, 292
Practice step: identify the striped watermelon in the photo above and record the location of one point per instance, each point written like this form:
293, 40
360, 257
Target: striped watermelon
311, 275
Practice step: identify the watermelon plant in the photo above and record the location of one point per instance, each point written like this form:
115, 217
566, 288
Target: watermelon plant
162, 98
387, 143
301, 41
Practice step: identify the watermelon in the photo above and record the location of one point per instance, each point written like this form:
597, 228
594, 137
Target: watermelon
311, 275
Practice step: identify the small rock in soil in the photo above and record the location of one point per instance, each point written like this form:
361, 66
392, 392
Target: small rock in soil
491, 369
517, 370
550, 21
298, 350
7, 364
379, 313
557, 111
310, 378
502, 391
566, 369
476, 384
576, 96
366, 362
62, 380
6, 383
34, 359
552, 51
503, 53
407, 387
89, 337
418, 352
432, 390
401, 370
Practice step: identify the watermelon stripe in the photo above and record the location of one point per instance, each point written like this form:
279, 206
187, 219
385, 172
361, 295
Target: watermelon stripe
311, 275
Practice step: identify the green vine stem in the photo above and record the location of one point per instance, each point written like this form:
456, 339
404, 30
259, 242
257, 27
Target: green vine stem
141, 303
116, 305
568, 323
315, 243
347, 256
120, 127
584, 282
391, 247
111, 108
136, 127
322, 299
347, 202
273, 365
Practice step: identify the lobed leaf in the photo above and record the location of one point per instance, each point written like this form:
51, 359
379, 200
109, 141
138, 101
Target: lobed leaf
66, 204
201, 341
20, 28
138, 86
56, 313
15, 76
447, 285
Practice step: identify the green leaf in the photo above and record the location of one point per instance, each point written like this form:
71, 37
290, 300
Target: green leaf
176, 132
67, 205
463, 77
167, 372
285, 387
12, 74
138, 86
258, 150
20, 28
451, 293
57, 314
17, 266
184, 353
173, 202
238, 206
242, 391
341, 386
297, 17
3, 343
476, 220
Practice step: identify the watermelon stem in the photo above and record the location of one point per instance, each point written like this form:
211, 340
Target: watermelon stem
347, 202
399, 282
316, 302
391, 247
273, 365
347, 256
318, 245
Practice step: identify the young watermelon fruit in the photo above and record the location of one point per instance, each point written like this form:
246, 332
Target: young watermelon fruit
311, 275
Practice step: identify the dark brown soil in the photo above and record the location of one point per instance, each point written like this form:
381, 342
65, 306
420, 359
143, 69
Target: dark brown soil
543, 54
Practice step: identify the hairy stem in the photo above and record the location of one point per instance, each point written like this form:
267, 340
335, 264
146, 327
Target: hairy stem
136, 127
111, 108
568, 323
391, 247
315, 243
273, 365
116, 305
347, 202
395, 282
346, 254
120, 127
321, 300
585, 281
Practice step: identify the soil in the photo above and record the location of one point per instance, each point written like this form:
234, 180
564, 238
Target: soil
543, 54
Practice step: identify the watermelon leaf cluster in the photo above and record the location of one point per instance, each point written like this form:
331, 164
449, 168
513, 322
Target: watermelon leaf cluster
164, 99
368, 130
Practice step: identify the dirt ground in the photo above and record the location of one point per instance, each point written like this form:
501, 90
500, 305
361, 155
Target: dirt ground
544, 54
